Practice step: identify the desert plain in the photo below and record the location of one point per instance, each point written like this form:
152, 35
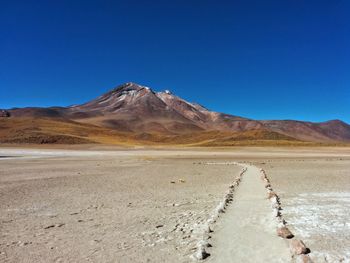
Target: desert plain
107, 204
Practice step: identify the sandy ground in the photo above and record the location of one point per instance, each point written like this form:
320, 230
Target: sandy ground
315, 194
144, 205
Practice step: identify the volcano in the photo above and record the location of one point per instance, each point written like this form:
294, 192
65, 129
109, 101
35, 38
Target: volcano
132, 112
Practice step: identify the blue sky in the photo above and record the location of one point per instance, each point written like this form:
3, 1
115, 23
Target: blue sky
259, 59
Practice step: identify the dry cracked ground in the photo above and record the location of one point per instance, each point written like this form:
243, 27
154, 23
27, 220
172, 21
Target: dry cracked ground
144, 205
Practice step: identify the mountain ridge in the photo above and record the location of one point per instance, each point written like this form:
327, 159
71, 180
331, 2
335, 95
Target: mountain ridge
135, 109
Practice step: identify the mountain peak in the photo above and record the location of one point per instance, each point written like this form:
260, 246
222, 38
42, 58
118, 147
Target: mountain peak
129, 86
337, 121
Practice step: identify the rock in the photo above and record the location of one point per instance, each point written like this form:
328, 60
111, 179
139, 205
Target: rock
276, 212
269, 188
4, 113
274, 200
284, 232
298, 247
201, 253
158, 226
211, 220
271, 195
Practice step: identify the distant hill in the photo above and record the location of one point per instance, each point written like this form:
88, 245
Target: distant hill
135, 114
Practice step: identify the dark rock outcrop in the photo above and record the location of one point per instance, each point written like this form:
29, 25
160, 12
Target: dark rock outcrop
4, 113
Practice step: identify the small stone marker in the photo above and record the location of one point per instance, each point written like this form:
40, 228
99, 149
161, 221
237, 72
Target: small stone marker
284, 232
298, 247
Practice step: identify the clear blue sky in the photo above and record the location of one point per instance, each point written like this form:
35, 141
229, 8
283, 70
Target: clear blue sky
277, 59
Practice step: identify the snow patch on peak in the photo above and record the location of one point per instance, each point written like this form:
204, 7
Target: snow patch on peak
129, 92
167, 92
134, 85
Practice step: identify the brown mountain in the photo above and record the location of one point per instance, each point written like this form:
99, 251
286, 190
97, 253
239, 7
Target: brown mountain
136, 113
334, 130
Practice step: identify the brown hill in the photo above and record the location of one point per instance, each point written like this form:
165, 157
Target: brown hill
329, 131
58, 131
132, 113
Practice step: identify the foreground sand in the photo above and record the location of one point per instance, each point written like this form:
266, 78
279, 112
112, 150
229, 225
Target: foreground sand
315, 194
145, 206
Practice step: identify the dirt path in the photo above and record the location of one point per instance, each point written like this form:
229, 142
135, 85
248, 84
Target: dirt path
247, 231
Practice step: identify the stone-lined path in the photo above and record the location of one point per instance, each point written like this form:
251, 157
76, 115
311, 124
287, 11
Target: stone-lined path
247, 231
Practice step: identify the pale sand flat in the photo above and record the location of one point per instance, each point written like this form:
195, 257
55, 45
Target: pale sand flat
60, 205
247, 231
